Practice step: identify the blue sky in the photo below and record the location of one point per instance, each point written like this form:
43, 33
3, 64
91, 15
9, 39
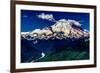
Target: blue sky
31, 21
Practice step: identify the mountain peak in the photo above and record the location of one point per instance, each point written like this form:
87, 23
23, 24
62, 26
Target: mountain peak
60, 30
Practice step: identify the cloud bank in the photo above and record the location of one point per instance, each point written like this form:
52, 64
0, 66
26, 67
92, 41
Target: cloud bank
75, 22
51, 18
46, 17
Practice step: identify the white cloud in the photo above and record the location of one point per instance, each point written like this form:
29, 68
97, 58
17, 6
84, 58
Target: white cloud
75, 22
46, 16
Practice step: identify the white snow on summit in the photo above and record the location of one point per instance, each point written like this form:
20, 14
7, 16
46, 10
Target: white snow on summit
62, 26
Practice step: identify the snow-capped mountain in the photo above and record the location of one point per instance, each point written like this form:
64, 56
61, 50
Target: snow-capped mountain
63, 34
60, 30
